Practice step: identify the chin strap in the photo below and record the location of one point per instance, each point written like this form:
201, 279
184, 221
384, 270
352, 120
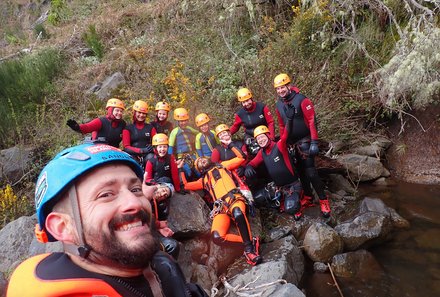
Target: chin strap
83, 249
153, 280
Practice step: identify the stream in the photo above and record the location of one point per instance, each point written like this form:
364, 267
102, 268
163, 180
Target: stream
408, 264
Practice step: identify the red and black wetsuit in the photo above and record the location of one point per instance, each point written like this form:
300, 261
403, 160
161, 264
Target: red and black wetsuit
137, 136
56, 275
259, 114
162, 127
166, 166
222, 153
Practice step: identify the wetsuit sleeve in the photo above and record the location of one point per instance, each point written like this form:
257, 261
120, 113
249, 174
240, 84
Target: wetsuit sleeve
149, 173
93, 125
199, 145
270, 122
174, 173
257, 160
280, 122
236, 125
172, 141
153, 132
309, 117
126, 142
234, 163
215, 156
194, 185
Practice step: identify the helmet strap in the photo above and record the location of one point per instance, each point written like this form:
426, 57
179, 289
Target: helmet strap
83, 249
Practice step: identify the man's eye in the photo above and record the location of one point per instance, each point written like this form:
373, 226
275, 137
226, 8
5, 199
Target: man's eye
105, 195
137, 189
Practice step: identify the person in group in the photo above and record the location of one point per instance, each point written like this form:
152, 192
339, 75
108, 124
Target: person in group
251, 115
108, 128
205, 140
276, 157
162, 164
92, 199
303, 137
136, 137
161, 123
222, 151
181, 141
228, 204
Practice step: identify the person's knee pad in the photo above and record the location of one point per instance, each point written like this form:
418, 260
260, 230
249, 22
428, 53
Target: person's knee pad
292, 204
170, 246
311, 172
237, 213
216, 238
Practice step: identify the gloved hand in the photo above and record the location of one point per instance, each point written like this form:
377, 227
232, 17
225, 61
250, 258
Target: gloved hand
73, 125
147, 149
313, 150
249, 171
289, 109
240, 171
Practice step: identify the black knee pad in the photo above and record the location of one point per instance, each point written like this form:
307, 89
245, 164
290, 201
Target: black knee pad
237, 213
170, 246
311, 172
292, 204
217, 239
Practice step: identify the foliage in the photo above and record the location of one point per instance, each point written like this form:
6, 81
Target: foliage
12, 207
23, 85
39, 30
93, 41
59, 12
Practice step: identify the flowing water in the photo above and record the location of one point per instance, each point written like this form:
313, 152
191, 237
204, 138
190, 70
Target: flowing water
408, 264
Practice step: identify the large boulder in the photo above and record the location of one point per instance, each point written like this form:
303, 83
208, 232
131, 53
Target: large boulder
111, 83
377, 205
363, 168
360, 263
15, 162
321, 242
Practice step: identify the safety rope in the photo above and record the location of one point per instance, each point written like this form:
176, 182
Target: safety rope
244, 291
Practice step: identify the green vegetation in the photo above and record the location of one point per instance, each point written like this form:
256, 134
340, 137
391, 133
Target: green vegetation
93, 41
59, 12
12, 207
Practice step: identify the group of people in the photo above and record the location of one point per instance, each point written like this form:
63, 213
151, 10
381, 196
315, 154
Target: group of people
113, 226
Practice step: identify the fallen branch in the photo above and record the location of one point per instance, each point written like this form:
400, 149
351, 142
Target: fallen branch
245, 291
334, 280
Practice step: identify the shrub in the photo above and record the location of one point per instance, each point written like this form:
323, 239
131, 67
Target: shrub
12, 207
59, 12
93, 41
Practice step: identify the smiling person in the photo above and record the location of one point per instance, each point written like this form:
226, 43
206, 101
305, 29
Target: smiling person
108, 127
105, 223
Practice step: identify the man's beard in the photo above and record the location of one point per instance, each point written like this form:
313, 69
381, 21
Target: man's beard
107, 247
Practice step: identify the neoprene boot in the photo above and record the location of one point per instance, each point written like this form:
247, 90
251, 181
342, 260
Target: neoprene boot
253, 255
325, 207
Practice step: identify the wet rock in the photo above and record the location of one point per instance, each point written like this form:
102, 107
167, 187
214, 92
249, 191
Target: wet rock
381, 181
188, 216
278, 233
320, 267
339, 182
360, 264
364, 230
376, 205
282, 291
397, 220
225, 255
321, 242
192, 252
363, 168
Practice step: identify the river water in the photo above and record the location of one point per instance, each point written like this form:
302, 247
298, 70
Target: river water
408, 264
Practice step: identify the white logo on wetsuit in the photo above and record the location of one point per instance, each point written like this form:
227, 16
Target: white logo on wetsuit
276, 159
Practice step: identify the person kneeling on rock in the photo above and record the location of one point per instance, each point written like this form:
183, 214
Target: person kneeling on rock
276, 158
228, 204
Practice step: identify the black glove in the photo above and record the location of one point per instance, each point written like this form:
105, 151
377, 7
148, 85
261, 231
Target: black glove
313, 150
73, 125
240, 171
249, 171
289, 109
147, 149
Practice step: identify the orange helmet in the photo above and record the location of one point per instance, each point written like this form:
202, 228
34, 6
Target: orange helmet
202, 119
181, 114
260, 130
159, 139
114, 102
140, 106
244, 94
197, 165
221, 128
281, 80
162, 105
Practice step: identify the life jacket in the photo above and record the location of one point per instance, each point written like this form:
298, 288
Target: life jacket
206, 143
219, 183
277, 168
226, 153
140, 137
253, 119
299, 129
184, 141
161, 167
164, 127
113, 136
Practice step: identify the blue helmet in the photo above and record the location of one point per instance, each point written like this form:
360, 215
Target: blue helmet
57, 176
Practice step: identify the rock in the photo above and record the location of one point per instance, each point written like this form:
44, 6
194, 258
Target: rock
364, 230
363, 168
188, 216
283, 291
372, 150
37, 247
14, 163
360, 264
15, 239
111, 83
377, 205
193, 251
397, 220
3, 285
225, 255
321, 242
383, 142
381, 181
320, 267
338, 183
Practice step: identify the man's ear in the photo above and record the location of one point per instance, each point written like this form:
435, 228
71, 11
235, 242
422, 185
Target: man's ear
60, 225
